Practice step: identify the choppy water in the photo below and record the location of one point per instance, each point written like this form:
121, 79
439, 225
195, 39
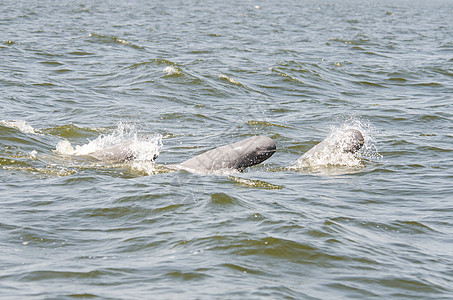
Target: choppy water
182, 77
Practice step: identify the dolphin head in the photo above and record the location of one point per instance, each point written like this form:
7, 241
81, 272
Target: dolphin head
351, 140
257, 149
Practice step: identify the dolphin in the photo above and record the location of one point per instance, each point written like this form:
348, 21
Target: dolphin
236, 156
343, 141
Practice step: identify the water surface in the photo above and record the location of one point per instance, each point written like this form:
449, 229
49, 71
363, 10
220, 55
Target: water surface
184, 77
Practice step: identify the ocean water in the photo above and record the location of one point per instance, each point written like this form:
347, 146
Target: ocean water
178, 78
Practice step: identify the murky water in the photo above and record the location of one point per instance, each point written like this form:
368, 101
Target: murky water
179, 78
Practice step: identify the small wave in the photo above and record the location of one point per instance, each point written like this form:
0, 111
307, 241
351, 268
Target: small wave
81, 53
259, 184
70, 131
152, 63
111, 39
265, 124
222, 199
368, 83
283, 74
20, 125
172, 70
237, 83
150, 70
231, 80
358, 40
308, 74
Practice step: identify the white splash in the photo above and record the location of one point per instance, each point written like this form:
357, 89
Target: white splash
170, 70
33, 154
65, 148
331, 152
20, 125
142, 148
328, 156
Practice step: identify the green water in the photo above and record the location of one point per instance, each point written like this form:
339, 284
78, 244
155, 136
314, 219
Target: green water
188, 76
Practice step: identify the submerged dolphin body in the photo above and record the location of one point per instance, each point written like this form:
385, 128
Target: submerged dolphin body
236, 156
349, 140
123, 152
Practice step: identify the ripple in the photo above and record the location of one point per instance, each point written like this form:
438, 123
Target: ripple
244, 270
51, 63
71, 131
254, 183
81, 53
135, 244
117, 212
51, 274
83, 295
359, 40
368, 83
265, 124
106, 39
276, 248
391, 286
152, 63
186, 276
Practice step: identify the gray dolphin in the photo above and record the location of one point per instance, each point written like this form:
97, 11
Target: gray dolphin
236, 156
348, 140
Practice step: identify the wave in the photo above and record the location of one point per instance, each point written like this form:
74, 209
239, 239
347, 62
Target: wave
20, 125
109, 39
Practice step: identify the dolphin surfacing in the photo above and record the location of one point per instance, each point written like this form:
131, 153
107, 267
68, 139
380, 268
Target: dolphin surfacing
236, 156
344, 141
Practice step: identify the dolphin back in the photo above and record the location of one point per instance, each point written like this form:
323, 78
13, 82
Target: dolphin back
238, 156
